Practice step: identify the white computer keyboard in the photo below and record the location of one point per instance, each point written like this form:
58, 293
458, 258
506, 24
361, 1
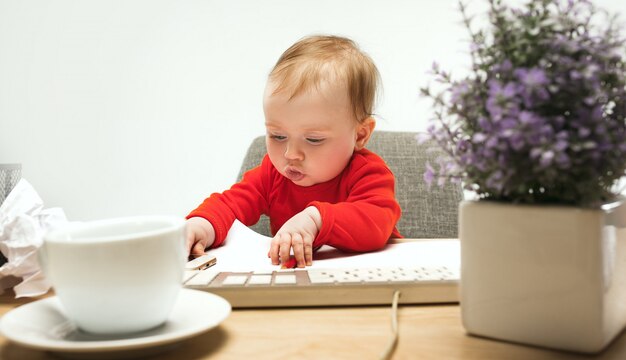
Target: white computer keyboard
329, 287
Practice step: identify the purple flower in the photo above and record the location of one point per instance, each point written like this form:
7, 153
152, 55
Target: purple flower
434, 67
546, 158
478, 138
501, 99
491, 143
517, 141
528, 118
495, 180
532, 78
459, 91
561, 145
485, 124
535, 153
563, 161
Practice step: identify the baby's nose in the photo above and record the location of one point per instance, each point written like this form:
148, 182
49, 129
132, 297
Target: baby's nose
293, 152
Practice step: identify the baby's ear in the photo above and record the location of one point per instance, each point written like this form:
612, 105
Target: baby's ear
363, 132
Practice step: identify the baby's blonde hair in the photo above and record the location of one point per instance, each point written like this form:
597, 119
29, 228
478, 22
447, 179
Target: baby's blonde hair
317, 59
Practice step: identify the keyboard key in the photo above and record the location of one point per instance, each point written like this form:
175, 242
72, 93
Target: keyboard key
403, 277
234, 280
284, 279
321, 280
260, 279
202, 278
347, 278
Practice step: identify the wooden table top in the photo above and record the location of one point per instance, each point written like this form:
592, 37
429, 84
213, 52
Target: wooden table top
425, 332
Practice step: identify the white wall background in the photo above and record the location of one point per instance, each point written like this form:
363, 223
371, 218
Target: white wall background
147, 106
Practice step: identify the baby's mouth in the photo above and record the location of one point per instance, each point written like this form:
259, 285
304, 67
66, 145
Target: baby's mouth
294, 174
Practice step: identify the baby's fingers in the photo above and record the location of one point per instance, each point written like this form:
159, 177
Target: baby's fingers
297, 243
285, 247
197, 249
274, 248
308, 249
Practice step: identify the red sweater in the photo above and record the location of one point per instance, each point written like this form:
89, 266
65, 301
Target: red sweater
358, 207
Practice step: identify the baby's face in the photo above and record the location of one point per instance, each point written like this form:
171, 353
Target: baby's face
310, 138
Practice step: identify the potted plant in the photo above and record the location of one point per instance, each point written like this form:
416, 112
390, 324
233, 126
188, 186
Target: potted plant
537, 130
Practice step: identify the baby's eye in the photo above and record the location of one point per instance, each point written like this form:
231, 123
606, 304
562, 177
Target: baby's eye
315, 140
278, 137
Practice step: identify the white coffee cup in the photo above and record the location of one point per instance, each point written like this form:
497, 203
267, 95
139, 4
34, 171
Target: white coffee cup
119, 275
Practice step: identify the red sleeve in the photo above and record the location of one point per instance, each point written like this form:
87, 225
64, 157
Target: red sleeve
367, 218
244, 201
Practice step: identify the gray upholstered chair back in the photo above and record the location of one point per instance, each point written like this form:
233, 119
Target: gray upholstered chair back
426, 213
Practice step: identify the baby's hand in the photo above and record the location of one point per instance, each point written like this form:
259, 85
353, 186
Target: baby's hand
200, 235
297, 233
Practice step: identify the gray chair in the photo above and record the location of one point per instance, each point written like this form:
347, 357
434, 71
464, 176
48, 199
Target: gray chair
426, 213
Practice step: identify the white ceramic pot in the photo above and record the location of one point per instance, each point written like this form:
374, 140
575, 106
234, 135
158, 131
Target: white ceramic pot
550, 276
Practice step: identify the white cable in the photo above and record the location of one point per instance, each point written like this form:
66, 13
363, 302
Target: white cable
394, 328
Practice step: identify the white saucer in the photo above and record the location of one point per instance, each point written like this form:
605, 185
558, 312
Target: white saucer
42, 325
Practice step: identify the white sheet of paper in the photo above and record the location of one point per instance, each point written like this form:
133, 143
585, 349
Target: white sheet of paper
23, 221
246, 250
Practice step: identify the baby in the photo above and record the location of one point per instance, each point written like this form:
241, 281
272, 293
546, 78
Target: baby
318, 184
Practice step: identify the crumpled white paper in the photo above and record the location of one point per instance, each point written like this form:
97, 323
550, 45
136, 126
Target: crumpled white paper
23, 222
